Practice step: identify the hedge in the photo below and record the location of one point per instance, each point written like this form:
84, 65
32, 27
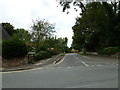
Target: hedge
108, 51
13, 48
42, 55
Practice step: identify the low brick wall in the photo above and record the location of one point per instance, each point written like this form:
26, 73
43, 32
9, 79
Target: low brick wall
14, 62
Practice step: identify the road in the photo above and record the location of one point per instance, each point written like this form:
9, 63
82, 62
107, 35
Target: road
74, 71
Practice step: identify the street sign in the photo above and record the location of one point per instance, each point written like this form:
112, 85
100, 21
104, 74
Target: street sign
51, 49
31, 52
29, 55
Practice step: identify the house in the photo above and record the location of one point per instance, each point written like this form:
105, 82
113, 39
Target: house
4, 35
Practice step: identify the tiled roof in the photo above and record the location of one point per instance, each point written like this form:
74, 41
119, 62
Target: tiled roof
4, 34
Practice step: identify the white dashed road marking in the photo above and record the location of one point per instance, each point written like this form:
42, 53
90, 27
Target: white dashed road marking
38, 64
84, 63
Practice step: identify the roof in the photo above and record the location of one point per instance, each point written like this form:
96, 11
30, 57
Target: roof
4, 34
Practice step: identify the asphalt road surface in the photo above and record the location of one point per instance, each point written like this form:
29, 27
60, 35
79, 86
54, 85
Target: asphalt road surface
74, 71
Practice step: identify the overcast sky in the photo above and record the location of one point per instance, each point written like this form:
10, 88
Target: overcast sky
20, 14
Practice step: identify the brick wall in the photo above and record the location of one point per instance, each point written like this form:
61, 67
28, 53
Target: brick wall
14, 62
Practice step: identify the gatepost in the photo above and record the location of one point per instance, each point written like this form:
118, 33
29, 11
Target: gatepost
30, 53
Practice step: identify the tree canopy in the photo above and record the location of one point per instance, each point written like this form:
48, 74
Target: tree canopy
97, 27
41, 29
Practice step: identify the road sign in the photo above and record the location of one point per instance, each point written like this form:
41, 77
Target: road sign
31, 52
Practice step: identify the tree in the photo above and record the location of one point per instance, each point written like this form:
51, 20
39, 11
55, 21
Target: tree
41, 29
22, 34
95, 28
66, 4
66, 41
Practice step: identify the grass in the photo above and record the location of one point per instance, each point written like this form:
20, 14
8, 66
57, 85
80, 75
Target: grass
81, 53
63, 54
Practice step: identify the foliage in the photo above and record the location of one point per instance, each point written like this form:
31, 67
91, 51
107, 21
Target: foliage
41, 39
66, 4
63, 54
42, 55
67, 50
42, 46
108, 51
22, 34
97, 27
40, 30
59, 45
13, 48
29, 48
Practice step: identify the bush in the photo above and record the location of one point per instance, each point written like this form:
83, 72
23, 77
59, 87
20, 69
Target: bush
108, 51
29, 48
41, 47
42, 55
13, 48
63, 54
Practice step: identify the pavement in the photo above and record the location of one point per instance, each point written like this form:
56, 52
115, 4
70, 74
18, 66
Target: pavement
73, 71
42, 63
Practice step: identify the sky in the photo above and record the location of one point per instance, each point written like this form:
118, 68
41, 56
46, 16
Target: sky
21, 13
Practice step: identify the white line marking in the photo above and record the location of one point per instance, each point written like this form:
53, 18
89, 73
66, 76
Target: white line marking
68, 67
38, 64
99, 65
54, 62
84, 63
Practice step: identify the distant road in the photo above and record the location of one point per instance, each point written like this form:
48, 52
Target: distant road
75, 60
74, 71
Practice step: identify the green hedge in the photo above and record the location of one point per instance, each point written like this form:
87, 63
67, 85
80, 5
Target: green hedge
108, 51
13, 48
42, 55
41, 48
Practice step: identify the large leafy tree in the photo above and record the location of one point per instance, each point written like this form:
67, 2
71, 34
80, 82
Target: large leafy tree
98, 26
22, 34
40, 30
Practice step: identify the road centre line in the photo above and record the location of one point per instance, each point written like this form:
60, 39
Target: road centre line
84, 63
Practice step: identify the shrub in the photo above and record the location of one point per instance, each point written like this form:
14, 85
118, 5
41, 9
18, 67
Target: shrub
108, 51
29, 48
13, 48
41, 47
42, 55
63, 54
